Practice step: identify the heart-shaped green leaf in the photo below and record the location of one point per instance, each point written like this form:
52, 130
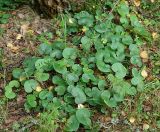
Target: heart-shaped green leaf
31, 100
60, 90
119, 69
105, 95
127, 39
84, 18
58, 80
101, 84
72, 124
30, 85
86, 43
79, 95
17, 72
45, 49
101, 28
40, 76
71, 78
60, 66
100, 62
69, 53
83, 116
123, 9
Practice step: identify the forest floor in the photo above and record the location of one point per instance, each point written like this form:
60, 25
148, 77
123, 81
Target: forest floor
19, 40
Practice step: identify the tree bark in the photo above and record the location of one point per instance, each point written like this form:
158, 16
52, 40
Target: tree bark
52, 7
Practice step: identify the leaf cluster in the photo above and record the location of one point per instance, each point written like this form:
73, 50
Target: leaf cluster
97, 68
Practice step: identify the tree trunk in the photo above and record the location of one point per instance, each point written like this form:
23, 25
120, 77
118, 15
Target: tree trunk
51, 7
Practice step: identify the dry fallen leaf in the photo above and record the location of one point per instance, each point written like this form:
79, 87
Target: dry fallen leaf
22, 78
137, 2
84, 29
50, 88
19, 36
144, 54
132, 120
154, 35
144, 73
38, 89
70, 21
20, 15
24, 28
123, 113
12, 47
145, 126
80, 106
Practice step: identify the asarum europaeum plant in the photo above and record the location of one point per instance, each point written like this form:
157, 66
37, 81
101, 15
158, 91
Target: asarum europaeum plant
98, 65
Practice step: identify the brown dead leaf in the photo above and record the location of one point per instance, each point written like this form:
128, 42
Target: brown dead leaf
137, 2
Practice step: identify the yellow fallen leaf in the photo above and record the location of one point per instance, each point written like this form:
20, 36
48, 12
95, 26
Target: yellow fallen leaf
24, 28
38, 115
144, 54
19, 36
70, 20
132, 120
22, 78
145, 126
144, 73
80, 106
137, 2
12, 47
38, 89
50, 88
9, 45
152, 1
84, 29
154, 35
